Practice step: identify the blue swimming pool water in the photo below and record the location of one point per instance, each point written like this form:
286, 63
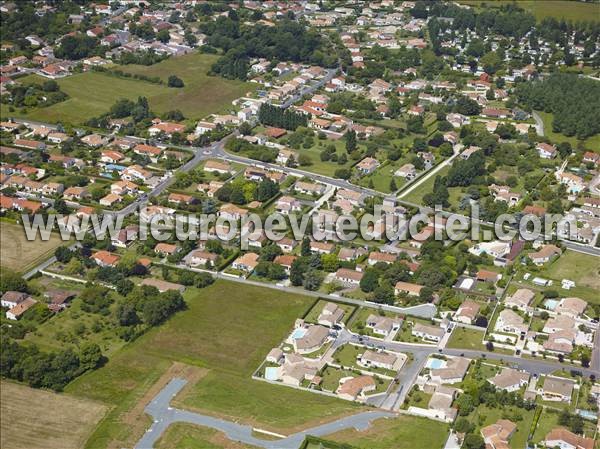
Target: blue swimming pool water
271, 373
551, 304
435, 363
298, 333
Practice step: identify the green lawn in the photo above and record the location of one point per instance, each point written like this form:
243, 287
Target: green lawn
397, 433
189, 436
591, 143
92, 93
463, 338
416, 196
484, 416
581, 268
201, 94
559, 9
227, 330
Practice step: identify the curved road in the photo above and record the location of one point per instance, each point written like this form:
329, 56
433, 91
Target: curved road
164, 415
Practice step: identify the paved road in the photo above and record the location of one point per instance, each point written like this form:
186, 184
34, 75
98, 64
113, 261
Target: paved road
539, 123
432, 172
164, 415
421, 310
533, 366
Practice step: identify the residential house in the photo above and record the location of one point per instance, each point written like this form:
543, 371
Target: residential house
367, 166
565, 439
202, 258
510, 322
521, 299
467, 312
428, 332
572, 307
496, 436
545, 254
312, 340
246, 262
14, 313
378, 359
355, 388
382, 325
407, 288
546, 151
165, 249
557, 389
105, 259
510, 379
11, 298
348, 277
331, 315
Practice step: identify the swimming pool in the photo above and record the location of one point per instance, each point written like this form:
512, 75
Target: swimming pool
551, 304
435, 363
271, 373
298, 333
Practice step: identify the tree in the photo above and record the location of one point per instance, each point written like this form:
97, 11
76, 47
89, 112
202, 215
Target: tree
465, 404
175, 81
163, 36
370, 280
305, 247
474, 441
312, 280
350, 138
462, 425
10, 280
63, 255
297, 272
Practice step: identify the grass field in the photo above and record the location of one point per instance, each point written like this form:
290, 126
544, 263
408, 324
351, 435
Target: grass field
38, 419
227, 330
399, 433
591, 143
416, 195
201, 95
92, 93
463, 338
581, 268
559, 9
73, 327
17, 253
188, 436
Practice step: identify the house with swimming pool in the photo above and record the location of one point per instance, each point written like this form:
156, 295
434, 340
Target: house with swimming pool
309, 339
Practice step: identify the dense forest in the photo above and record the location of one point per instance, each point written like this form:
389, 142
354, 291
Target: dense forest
286, 41
574, 102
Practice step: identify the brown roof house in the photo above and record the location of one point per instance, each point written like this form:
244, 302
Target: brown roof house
355, 388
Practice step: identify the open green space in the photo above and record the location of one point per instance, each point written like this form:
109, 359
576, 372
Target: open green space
463, 338
201, 94
559, 9
591, 143
227, 330
398, 433
93, 93
189, 436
